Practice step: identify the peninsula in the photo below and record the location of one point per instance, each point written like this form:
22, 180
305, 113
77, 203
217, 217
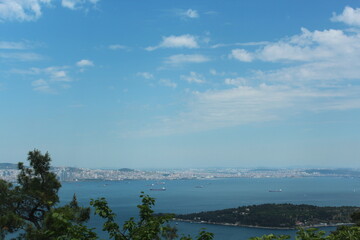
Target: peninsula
274, 216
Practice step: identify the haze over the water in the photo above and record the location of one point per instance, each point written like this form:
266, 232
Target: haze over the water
150, 84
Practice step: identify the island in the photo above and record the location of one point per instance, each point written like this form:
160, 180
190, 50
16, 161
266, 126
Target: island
282, 216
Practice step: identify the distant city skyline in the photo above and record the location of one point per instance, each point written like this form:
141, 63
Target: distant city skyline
181, 84
9, 172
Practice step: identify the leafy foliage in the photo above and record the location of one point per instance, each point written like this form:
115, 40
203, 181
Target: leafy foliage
37, 190
30, 205
148, 227
342, 233
9, 221
271, 237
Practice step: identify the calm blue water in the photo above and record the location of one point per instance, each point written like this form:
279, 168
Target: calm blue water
181, 196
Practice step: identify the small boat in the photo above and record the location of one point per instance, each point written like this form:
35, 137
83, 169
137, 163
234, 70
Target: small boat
158, 189
279, 190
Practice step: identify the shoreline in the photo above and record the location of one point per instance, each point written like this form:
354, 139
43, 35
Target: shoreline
262, 227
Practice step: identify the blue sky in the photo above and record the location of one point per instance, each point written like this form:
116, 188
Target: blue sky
157, 84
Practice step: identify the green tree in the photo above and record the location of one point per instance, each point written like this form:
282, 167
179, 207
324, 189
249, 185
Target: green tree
355, 218
30, 205
310, 234
271, 237
148, 227
38, 189
10, 222
346, 233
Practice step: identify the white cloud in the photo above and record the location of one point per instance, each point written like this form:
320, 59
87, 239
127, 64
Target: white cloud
49, 79
239, 81
167, 83
77, 4
31, 10
145, 75
244, 103
241, 105
315, 71
328, 55
219, 45
41, 85
190, 13
284, 51
310, 46
39, 82
85, 63
326, 45
60, 74
21, 10
186, 58
349, 16
21, 56
241, 55
12, 45
53, 74
216, 73
182, 41
213, 72
69, 3
56, 73
117, 47
186, 14
193, 77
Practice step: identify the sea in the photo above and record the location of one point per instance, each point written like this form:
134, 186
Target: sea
188, 196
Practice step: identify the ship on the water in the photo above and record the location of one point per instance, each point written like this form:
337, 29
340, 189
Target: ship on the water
158, 189
278, 190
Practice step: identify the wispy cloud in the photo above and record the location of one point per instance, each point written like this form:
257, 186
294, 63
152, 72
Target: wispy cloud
145, 75
41, 85
179, 59
55, 73
31, 10
241, 55
167, 83
245, 104
220, 45
182, 41
21, 56
239, 81
193, 77
117, 47
47, 80
189, 13
85, 63
21, 10
78, 4
13, 45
